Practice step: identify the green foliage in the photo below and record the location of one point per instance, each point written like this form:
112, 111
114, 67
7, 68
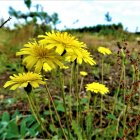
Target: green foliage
108, 18
18, 126
98, 28
35, 16
3, 61
28, 3
111, 116
138, 136
89, 126
77, 130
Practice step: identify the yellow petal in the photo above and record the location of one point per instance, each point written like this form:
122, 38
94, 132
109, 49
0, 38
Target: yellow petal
39, 66
34, 84
24, 84
31, 63
46, 67
59, 49
15, 86
8, 83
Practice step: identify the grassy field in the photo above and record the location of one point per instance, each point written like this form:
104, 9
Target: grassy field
86, 116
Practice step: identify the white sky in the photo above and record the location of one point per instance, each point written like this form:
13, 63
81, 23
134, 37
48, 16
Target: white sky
88, 12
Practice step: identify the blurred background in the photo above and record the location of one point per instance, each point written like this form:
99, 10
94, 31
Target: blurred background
62, 14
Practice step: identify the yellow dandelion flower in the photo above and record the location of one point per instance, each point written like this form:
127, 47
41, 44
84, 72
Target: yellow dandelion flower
97, 88
105, 51
79, 55
22, 80
39, 56
62, 41
83, 73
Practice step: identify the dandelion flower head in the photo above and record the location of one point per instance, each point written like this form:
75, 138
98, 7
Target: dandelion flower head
62, 41
22, 80
104, 51
40, 57
97, 88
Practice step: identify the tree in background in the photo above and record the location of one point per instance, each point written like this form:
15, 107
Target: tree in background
38, 16
108, 18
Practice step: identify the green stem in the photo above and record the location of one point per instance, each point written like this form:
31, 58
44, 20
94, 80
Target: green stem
70, 93
124, 78
102, 75
124, 119
94, 105
50, 97
49, 104
121, 77
36, 114
64, 101
117, 125
102, 72
75, 80
81, 84
33, 110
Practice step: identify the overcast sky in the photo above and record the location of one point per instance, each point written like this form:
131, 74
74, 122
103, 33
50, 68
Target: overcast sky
88, 12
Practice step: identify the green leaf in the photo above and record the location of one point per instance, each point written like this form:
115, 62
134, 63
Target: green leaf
5, 117
47, 112
28, 3
53, 128
120, 134
60, 107
17, 113
35, 126
84, 101
55, 138
29, 121
23, 129
89, 125
12, 131
29, 127
32, 132
77, 129
138, 136
111, 116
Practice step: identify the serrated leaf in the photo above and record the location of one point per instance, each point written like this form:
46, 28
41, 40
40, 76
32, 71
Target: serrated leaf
89, 124
77, 130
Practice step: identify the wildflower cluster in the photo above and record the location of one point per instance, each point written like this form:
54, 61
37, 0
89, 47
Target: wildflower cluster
67, 46
50, 52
